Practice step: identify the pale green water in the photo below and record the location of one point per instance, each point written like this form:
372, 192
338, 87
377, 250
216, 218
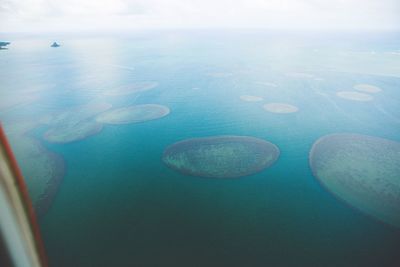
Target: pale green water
119, 205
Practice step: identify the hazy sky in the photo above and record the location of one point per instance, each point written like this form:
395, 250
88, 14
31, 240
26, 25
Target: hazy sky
73, 15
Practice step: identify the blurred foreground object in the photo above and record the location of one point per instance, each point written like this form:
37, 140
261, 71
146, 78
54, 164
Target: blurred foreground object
20, 241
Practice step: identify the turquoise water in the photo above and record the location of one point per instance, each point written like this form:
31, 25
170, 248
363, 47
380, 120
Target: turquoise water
119, 205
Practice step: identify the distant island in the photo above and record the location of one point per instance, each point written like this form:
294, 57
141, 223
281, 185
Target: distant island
55, 45
3, 44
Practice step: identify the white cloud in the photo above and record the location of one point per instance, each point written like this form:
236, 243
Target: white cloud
69, 15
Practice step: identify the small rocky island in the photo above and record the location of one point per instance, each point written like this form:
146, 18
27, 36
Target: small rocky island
55, 44
3, 45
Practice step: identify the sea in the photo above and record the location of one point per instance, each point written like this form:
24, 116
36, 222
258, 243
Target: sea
118, 204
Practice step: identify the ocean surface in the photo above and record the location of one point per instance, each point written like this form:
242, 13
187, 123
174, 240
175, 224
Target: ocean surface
118, 204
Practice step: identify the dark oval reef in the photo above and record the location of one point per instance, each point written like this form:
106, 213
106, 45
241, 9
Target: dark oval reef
221, 156
363, 171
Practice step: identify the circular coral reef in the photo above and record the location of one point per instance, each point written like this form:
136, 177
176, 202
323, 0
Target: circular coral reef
363, 171
221, 156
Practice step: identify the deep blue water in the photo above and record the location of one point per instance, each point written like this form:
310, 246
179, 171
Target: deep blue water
119, 205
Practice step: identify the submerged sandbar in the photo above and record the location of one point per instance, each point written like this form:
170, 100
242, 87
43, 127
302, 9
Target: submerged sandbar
280, 108
14, 100
355, 96
367, 88
221, 156
74, 115
270, 84
73, 132
301, 75
363, 171
133, 114
131, 88
220, 74
75, 123
251, 98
